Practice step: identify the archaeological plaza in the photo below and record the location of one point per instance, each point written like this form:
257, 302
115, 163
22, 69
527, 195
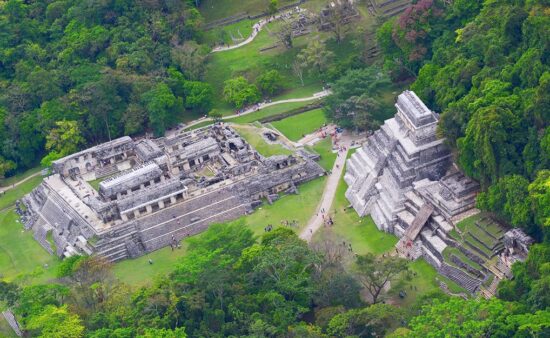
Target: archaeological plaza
127, 197
124, 198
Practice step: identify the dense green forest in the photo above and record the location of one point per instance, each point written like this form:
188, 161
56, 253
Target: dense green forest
485, 67
113, 67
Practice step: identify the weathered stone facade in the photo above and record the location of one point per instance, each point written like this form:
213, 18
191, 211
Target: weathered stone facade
154, 192
404, 150
404, 178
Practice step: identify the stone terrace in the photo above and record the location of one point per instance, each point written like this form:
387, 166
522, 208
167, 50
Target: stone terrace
403, 177
156, 191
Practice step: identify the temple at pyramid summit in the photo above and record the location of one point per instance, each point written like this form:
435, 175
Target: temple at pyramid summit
404, 178
404, 150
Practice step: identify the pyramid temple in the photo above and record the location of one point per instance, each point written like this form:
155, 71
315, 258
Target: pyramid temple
403, 176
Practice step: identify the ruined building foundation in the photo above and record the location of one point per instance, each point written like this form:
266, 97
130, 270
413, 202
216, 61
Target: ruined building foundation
154, 192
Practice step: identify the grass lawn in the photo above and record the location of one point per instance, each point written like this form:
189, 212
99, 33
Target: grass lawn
5, 182
5, 329
213, 10
138, 272
21, 257
362, 233
8, 199
253, 136
425, 279
239, 31
298, 207
95, 183
250, 62
268, 112
295, 127
252, 117
324, 148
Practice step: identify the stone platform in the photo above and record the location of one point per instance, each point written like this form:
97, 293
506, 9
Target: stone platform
404, 178
154, 192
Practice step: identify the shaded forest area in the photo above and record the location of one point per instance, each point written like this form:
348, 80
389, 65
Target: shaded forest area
102, 68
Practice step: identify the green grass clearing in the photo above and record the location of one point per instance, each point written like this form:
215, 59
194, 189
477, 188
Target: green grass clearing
213, 10
5, 329
297, 126
9, 197
254, 137
230, 34
6, 182
425, 279
250, 61
95, 183
21, 257
274, 110
324, 148
298, 207
138, 272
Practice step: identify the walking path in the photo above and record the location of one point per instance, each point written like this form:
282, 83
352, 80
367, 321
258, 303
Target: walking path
259, 107
3, 189
317, 220
255, 30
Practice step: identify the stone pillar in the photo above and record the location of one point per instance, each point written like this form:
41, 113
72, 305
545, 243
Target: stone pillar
161, 204
175, 170
124, 217
173, 199
149, 209
136, 213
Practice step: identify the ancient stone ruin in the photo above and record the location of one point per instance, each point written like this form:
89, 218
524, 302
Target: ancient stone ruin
127, 197
404, 178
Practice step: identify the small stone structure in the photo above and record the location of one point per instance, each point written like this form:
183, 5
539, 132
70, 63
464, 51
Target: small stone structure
404, 178
154, 192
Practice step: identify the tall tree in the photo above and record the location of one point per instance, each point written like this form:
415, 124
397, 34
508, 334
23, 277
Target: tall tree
63, 140
315, 56
375, 273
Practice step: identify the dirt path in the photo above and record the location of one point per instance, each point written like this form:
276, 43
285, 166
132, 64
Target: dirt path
258, 26
2, 189
259, 107
316, 221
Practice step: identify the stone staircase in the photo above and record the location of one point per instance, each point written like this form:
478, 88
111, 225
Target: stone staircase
405, 244
490, 291
10, 318
106, 171
460, 277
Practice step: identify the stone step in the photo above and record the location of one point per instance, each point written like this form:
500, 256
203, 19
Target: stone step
419, 221
12, 321
458, 276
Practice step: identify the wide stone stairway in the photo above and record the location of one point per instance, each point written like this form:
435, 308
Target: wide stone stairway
405, 247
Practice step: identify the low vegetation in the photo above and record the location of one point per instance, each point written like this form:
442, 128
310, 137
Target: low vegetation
297, 126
